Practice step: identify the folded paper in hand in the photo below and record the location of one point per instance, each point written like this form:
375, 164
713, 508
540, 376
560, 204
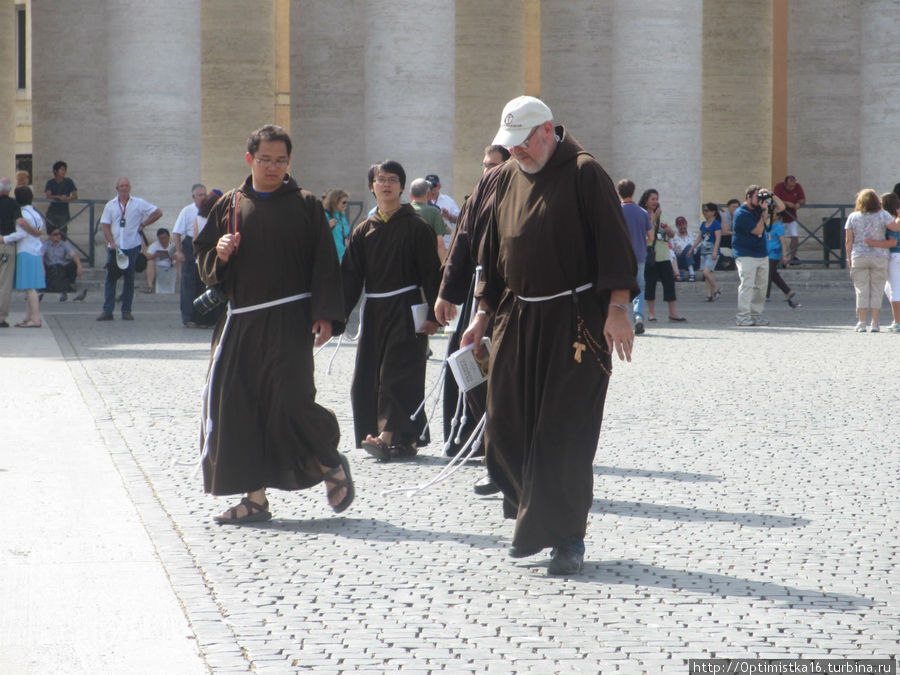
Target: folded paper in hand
469, 370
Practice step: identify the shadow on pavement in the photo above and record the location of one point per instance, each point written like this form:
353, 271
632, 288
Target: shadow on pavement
631, 572
657, 512
681, 476
369, 529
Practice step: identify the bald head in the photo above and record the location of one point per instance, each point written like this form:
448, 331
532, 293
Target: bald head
5, 185
418, 190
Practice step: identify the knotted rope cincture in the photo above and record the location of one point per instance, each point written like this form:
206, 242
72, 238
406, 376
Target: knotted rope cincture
465, 454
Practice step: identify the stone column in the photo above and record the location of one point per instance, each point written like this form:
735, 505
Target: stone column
153, 99
880, 106
409, 87
238, 90
8, 88
825, 99
70, 115
490, 70
737, 99
577, 71
657, 69
328, 97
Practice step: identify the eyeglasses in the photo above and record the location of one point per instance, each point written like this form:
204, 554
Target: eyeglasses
272, 163
524, 144
387, 180
343, 202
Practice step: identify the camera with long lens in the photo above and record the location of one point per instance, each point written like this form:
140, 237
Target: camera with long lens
210, 299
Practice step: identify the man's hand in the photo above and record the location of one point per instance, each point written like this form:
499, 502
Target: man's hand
444, 311
618, 333
179, 256
228, 245
429, 328
321, 329
474, 333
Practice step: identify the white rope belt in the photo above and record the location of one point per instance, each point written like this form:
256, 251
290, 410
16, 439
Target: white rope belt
544, 298
391, 294
206, 420
376, 296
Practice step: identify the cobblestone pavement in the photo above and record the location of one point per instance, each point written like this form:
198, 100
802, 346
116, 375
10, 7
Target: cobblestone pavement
745, 506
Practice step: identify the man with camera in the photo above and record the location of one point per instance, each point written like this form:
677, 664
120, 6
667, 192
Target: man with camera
751, 254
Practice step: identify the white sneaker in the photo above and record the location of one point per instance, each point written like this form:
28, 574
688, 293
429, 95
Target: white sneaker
746, 321
874, 328
860, 327
894, 327
759, 321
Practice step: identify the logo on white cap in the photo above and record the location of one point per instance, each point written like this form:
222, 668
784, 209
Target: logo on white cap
519, 116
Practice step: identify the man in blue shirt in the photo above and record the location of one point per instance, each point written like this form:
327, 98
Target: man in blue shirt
638, 222
751, 254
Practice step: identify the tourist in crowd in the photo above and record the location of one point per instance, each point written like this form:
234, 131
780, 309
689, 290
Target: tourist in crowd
709, 240
657, 266
335, 205
29, 261
868, 264
890, 202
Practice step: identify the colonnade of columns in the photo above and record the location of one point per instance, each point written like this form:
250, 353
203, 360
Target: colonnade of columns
7, 87
676, 96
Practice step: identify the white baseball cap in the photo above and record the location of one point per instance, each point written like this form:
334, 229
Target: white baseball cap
518, 118
122, 260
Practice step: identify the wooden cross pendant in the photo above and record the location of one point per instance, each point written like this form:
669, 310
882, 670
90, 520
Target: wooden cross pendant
579, 347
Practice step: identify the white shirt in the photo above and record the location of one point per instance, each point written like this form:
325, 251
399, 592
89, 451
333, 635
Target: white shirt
185, 223
445, 202
680, 241
28, 243
136, 210
163, 261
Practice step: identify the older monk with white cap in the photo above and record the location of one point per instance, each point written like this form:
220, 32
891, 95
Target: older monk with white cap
558, 273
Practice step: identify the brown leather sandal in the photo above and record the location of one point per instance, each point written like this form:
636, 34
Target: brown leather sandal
377, 447
403, 451
255, 513
336, 484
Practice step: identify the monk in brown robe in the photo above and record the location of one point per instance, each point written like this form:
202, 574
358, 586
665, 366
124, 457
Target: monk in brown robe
267, 245
393, 256
558, 272
457, 289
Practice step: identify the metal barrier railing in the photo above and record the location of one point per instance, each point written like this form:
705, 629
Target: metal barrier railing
828, 234
84, 221
81, 211
831, 229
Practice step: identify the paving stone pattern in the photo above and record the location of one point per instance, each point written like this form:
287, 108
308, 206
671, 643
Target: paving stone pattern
745, 506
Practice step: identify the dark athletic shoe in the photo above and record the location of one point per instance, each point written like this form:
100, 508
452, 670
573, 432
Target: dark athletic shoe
105, 316
638, 325
519, 552
566, 561
126, 316
486, 487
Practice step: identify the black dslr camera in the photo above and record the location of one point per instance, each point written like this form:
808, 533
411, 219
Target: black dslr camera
765, 196
211, 298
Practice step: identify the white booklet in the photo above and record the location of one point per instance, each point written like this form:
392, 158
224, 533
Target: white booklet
469, 370
420, 316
